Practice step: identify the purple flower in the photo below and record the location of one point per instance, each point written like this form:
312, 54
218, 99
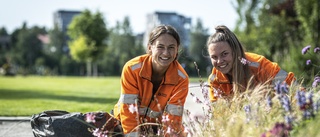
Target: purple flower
301, 100
269, 101
316, 81
288, 119
281, 88
308, 62
285, 103
316, 50
305, 49
247, 108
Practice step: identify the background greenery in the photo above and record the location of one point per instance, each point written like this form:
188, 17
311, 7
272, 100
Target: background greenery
275, 29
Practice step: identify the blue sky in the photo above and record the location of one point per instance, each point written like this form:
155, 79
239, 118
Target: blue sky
40, 12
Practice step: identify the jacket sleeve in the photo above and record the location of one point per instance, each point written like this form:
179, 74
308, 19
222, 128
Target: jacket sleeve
272, 72
128, 102
175, 106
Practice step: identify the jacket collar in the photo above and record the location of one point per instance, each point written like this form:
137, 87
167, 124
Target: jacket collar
220, 77
171, 75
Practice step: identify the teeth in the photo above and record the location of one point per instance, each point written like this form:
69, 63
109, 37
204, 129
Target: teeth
164, 58
223, 66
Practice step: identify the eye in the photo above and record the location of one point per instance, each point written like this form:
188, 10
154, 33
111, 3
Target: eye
160, 47
214, 57
224, 54
172, 47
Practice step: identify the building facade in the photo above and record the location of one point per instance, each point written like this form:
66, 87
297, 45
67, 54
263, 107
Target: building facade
62, 19
180, 22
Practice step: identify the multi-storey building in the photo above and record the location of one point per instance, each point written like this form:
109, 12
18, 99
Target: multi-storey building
62, 19
180, 22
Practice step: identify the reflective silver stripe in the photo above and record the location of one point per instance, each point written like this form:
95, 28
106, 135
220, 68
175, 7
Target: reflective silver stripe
254, 64
131, 134
151, 113
142, 111
181, 74
174, 109
136, 66
212, 77
281, 76
128, 98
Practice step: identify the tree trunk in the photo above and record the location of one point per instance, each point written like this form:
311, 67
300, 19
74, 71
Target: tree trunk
95, 69
89, 68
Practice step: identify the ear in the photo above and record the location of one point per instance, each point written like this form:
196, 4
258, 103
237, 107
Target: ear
149, 48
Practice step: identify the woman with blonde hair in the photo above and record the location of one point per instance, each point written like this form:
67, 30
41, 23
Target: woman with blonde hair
234, 70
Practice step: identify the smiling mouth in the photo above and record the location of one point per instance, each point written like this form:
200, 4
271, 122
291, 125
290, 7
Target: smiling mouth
222, 66
164, 58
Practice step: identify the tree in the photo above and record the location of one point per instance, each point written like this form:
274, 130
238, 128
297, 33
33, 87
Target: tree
123, 46
54, 50
27, 48
4, 46
308, 15
90, 30
279, 30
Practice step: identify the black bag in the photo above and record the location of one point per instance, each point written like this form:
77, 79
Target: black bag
57, 123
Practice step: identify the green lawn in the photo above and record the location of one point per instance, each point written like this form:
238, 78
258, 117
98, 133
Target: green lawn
24, 96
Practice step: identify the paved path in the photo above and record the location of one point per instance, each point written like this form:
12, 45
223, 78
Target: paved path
15, 127
21, 127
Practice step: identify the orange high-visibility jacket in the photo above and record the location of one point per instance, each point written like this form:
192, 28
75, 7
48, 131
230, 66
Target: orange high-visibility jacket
136, 87
261, 68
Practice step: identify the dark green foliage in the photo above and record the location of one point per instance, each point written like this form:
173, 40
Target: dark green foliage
88, 33
279, 30
198, 50
123, 46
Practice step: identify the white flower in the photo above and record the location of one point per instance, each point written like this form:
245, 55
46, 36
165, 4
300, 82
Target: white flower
132, 108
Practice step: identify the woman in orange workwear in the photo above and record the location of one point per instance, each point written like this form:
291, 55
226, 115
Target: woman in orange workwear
154, 88
234, 69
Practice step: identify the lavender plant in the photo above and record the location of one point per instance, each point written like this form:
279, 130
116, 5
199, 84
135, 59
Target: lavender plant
316, 52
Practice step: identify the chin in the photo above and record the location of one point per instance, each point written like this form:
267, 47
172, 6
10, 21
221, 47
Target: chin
224, 72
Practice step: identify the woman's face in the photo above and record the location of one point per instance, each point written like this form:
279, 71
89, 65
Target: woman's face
163, 51
221, 56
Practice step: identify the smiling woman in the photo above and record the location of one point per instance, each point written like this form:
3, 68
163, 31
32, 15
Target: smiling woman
236, 70
154, 86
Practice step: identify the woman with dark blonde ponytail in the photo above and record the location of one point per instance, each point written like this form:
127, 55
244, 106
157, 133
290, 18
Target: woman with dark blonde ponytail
234, 70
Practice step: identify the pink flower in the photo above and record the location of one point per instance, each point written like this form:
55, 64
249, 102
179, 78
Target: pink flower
169, 130
165, 118
90, 117
244, 61
99, 133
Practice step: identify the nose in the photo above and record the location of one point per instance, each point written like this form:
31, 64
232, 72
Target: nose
166, 51
219, 60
